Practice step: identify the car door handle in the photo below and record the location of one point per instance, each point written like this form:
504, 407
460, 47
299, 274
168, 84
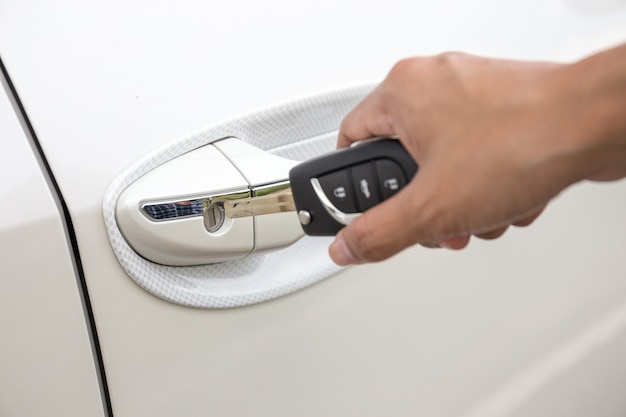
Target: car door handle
166, 232
173, 214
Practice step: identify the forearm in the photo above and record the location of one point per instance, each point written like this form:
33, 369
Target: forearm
594, 93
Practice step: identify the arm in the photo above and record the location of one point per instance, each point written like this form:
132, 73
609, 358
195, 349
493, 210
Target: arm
496, 140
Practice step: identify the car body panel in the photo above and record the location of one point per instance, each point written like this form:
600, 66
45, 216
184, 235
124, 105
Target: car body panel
47, 365
479, 332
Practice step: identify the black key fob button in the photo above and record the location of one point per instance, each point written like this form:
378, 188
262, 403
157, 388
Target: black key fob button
390, 177
338, 189
365, 186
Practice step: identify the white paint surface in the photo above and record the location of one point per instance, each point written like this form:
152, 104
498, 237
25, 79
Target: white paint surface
46, 362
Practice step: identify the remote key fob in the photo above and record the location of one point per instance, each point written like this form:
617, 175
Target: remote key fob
332, 190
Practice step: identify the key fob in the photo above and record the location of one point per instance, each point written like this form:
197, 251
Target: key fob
332, 190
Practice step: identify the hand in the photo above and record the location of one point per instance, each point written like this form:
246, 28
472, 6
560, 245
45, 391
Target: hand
495, 140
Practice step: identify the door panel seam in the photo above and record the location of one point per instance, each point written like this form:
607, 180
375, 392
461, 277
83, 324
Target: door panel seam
69, 232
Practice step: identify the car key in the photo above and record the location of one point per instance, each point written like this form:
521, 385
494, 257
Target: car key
330, 191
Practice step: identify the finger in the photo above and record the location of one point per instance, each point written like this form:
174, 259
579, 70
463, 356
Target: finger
528, 220
455, 243
493, 234
431, 245
368, 119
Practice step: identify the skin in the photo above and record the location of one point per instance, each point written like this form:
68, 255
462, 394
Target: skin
495, 140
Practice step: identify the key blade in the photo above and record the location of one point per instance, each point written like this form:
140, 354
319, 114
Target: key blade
272, 201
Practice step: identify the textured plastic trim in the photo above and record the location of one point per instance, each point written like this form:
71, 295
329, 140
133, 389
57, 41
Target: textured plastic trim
299, 130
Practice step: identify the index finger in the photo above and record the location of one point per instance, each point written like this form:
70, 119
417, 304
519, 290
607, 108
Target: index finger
368, 119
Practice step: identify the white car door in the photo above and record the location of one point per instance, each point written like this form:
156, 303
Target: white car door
47, 365
531, 324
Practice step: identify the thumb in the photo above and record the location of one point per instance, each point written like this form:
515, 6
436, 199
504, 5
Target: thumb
379, 233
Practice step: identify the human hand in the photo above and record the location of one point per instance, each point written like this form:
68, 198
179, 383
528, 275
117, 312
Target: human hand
494, 141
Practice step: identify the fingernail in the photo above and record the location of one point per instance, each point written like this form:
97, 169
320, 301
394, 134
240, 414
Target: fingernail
340, 253
455, 243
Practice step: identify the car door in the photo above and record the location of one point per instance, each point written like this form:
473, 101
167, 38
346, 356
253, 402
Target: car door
47, 365
531, 324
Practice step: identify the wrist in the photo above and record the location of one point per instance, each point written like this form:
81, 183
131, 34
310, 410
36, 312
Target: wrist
592, 104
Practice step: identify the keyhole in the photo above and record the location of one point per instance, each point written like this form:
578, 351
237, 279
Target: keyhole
214, 216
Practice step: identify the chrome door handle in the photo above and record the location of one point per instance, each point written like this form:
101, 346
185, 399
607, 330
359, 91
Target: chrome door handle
173, 215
